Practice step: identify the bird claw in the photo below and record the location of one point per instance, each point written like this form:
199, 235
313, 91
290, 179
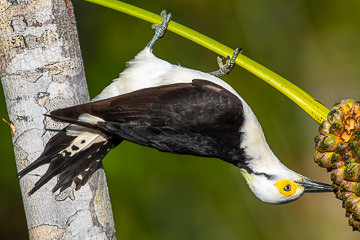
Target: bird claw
160, 30
226, 68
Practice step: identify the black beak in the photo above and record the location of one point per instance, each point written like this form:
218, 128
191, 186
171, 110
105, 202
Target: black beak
312, 186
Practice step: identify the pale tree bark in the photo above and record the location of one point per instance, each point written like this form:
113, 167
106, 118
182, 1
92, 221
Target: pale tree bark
41, 70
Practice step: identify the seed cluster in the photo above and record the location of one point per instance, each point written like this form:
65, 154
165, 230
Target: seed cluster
337, 148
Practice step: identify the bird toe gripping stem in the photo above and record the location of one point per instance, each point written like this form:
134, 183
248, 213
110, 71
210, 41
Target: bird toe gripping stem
226, 68
160, 29
337, 148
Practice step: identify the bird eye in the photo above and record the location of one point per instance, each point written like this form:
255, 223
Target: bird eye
286, 187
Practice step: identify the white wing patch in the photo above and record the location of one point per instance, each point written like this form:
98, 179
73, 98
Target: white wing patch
88, 118
85, 138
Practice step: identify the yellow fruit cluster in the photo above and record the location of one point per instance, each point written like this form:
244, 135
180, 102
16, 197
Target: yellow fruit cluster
337, 148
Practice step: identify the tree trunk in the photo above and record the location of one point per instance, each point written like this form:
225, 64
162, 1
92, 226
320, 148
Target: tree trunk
41, 70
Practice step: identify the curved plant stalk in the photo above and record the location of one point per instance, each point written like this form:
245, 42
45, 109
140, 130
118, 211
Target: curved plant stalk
312, 107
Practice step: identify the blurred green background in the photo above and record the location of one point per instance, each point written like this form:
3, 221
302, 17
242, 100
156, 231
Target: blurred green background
314, 44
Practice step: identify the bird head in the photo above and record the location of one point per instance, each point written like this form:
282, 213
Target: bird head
282, 186
269, 179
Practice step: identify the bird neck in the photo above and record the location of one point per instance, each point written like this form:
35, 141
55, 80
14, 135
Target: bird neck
259, 158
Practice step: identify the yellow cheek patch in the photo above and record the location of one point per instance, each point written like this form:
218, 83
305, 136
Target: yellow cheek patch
286, 187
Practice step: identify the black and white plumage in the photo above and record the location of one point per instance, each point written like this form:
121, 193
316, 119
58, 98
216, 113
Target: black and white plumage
173, 109
170, 108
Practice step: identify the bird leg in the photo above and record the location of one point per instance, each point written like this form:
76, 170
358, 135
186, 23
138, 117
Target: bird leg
226, 68
160, 29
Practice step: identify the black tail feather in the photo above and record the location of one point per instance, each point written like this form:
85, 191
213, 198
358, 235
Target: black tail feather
56, 144
75, 165
82, 165
77, 168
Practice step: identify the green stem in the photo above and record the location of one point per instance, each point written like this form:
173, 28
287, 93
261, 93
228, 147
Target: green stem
313, 108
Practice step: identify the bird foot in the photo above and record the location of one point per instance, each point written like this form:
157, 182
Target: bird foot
160, 29
226, 68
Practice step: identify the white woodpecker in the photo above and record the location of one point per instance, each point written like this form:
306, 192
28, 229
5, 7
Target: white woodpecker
173, 109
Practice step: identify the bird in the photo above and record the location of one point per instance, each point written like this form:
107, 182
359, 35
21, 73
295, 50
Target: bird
173, 109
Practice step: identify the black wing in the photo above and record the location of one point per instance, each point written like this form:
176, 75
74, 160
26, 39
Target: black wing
198, 118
